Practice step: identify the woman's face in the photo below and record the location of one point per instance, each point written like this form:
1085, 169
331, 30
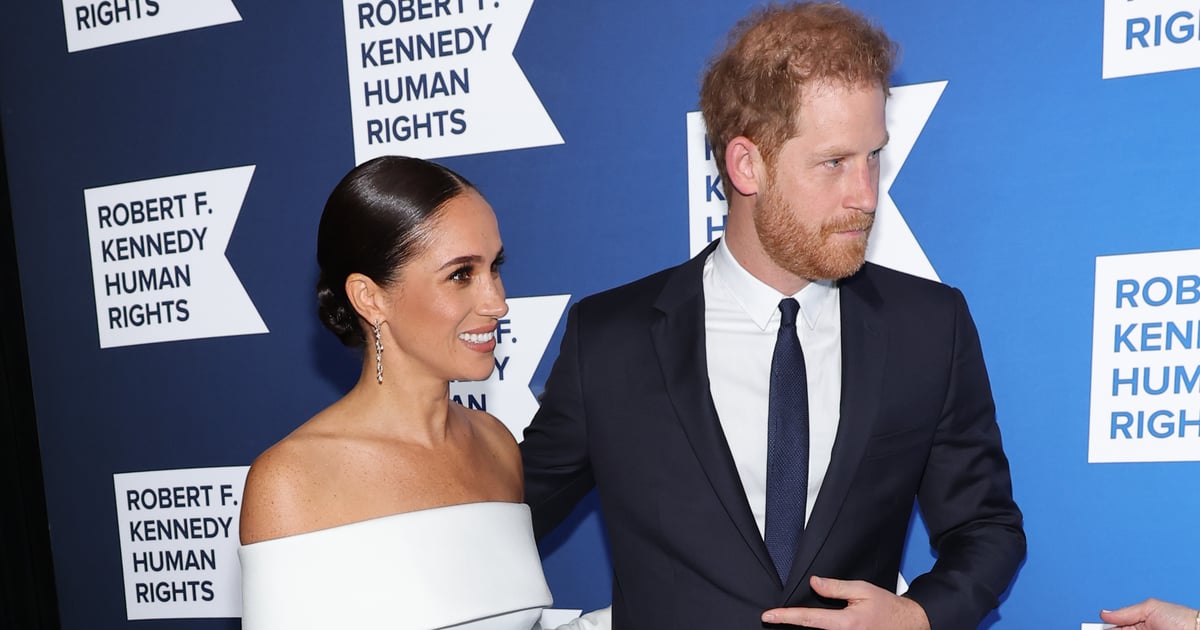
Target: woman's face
444, 305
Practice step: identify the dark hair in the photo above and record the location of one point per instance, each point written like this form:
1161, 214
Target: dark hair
754, 86
373, 223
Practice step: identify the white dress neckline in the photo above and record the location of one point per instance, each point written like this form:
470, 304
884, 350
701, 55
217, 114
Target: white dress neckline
471, 566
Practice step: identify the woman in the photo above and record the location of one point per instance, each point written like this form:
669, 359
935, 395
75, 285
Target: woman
395, 507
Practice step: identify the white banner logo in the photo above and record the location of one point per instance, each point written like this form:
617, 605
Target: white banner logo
437, 79
707, 205
92, 24
1146, 358
1143, 37
521, 341
892, 243
158, 259
179, 540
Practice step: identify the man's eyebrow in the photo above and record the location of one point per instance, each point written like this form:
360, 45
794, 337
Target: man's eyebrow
836, 151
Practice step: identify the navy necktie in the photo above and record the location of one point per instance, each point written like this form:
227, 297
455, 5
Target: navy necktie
787, 443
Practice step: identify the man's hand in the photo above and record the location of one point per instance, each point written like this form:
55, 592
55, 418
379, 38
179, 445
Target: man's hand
1152, 614
868, 606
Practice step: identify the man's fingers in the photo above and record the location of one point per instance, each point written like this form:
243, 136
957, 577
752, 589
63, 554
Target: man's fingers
811, 617
841, 589
848, 590
819, 617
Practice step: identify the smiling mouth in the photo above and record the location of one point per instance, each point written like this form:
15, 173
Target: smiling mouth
478, 338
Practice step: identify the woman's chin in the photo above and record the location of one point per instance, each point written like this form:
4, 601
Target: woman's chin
478, 374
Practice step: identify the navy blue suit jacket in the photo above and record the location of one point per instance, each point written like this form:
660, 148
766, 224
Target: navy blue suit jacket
627, 409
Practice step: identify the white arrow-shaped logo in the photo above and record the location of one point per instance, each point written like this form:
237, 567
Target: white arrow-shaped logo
892, 243
92, 24
158, 258
439, 79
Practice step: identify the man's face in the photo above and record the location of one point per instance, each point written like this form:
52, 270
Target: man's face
814, 213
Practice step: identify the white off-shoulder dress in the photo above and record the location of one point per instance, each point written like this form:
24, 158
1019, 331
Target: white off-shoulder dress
472, 566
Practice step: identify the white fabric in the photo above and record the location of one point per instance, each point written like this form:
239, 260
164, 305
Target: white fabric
596, 620
472, 566
741, 321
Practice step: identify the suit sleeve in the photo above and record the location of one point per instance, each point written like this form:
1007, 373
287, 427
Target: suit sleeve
555, 450
966, 496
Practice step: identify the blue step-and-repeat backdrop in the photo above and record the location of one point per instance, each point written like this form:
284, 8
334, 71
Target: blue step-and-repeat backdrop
169, 160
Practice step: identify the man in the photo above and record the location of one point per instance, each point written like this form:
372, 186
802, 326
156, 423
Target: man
734, 498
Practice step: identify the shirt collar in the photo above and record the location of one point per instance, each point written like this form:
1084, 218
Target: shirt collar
759, 300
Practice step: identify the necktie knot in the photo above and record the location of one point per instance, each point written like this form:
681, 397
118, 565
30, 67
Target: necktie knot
789, 308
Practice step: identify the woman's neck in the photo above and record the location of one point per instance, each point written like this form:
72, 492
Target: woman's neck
407, 405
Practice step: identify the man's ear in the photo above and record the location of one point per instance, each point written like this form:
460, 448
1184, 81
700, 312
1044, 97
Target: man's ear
743, 166
368, 298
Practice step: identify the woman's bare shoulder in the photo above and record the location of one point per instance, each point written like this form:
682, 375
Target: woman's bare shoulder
280, 493
498, 435
500, 444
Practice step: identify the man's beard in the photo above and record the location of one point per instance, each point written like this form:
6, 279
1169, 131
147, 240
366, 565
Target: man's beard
807, 251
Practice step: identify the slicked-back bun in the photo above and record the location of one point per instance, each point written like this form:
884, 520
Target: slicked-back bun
372, 224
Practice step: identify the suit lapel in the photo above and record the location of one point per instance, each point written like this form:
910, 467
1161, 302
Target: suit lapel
864, 349
679, 342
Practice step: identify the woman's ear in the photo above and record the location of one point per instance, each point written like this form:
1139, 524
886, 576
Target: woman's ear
368, 298
742, 166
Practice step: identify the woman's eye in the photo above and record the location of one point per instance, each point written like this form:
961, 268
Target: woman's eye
461, 275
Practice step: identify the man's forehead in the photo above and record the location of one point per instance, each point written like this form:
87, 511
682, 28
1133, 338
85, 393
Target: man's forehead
827, 87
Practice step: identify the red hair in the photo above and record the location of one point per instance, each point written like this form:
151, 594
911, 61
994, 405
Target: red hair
753, 88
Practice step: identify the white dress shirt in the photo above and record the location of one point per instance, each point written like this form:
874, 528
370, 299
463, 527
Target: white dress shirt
741, 322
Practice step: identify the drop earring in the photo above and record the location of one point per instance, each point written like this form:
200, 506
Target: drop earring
378, 354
